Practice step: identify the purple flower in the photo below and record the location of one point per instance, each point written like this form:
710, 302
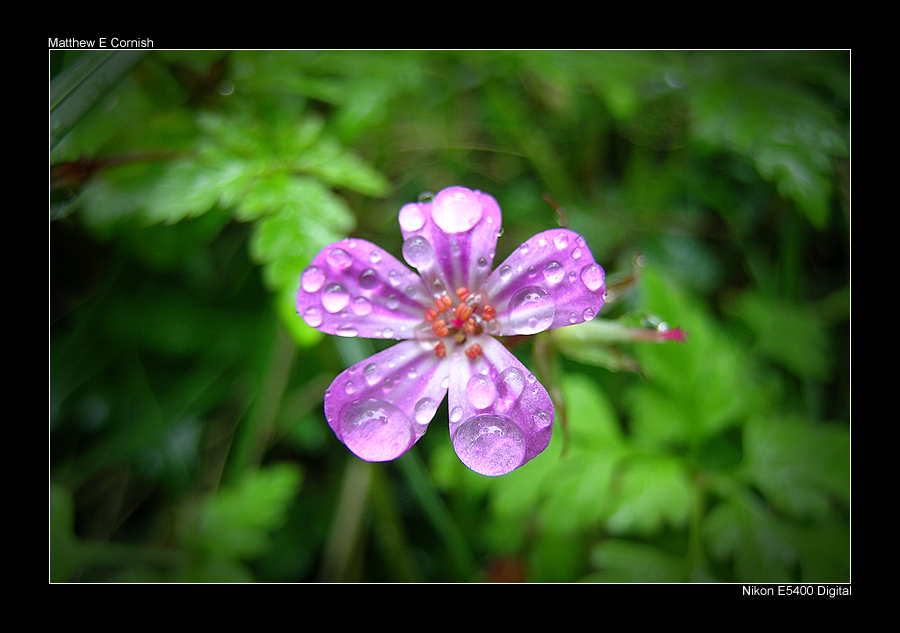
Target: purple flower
446, 318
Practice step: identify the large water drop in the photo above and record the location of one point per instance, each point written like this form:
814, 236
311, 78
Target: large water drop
411, 217
417, 252
531, 310
313, 316
593, 277
489, 444
338, 259
376, 430
312, 279
425, 410
456, 209
481, 391
510, 384
335, 298
554, 272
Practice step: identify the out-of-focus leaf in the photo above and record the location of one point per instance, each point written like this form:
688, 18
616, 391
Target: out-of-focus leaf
758, 546
799, 467
287, 239
696, 389
80, 86
236, 521
790, 134
793, 335
649, 494
626, 561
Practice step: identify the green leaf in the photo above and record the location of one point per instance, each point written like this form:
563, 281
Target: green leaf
83, 84
759, 546
287, 239
626, 561
793, 335
799, 467
236, 521
650, 493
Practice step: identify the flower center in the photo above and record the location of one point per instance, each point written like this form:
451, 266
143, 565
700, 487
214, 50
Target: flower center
456, 316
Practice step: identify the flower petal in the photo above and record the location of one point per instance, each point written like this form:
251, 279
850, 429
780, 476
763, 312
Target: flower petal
500, 415
451, 240
353, 288
380, 407
550, 281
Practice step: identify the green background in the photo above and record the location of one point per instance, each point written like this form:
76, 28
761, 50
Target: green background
188, 190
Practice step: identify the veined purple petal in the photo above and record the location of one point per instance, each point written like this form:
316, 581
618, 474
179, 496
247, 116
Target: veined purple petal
452, 239
380, 407
353, 288
550, 281
500, 415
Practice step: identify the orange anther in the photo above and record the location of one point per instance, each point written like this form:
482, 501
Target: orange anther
488, 312
462, 292
470, 326
474, 351
443, 302
440, 350
439, 328
463, 311
431, 314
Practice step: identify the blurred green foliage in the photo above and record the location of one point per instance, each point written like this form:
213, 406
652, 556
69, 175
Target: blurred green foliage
187, 436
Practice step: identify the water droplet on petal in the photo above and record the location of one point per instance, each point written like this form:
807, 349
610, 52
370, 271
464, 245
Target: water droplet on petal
350, 388
347, 330
510, 384
531, 310
335, 298
561, 240
482, 262
368, 279
505, 272
392, 302
573, 318
456, 414
588, 314
489, 444
387, 332
576, 253
481, 391
375, 256
456, 209
370, 371
338, 259
312, 279
425, 410
417, 252
554, 272
593, 277
361, 306
312, 316
411, 217
542, 419
376, 430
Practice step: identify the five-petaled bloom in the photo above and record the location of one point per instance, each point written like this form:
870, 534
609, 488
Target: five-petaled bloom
446, 318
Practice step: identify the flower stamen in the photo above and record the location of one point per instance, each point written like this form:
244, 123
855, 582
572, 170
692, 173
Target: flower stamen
488, 312
440, 329
440, 350
474, 351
